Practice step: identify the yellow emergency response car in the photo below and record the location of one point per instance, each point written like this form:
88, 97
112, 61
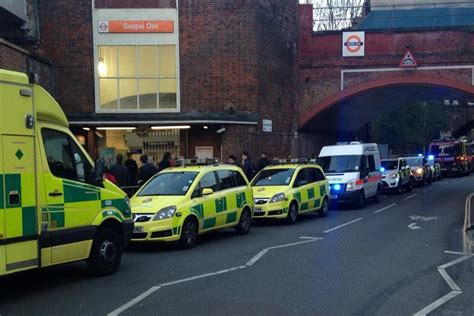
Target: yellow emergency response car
54, 206
284, 191
180, 203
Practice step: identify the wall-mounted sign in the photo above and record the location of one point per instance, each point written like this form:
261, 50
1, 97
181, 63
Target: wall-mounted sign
267, 125
353, 44
408, 60
118, 26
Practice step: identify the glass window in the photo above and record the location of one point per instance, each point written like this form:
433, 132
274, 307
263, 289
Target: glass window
371, 160
273, 177
389, 164
209, 181
239, 180
315, 175
169, 183
302, 178
225, 178
139, 77
65, 159
336, 164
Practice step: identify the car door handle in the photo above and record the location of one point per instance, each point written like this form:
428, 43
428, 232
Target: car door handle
55, 193
219, 201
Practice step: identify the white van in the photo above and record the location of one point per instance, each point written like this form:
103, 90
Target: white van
353, 171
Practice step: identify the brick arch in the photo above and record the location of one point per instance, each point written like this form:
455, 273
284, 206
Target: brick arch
327, 103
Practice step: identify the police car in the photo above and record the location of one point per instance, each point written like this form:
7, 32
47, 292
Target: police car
395, 175
286, 190
353, 171
180, 203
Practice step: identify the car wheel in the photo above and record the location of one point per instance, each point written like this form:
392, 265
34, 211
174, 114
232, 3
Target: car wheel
106, 252
361, 200
376, 197
189, 233
292, 213
243, 227
324, 210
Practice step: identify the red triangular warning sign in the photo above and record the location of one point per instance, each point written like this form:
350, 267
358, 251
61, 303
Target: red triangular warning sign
408, 60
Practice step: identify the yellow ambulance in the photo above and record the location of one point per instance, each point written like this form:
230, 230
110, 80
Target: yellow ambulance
286, 190
54, 206
180, 203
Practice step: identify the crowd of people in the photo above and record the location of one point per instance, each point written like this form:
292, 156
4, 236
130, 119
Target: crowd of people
128, 174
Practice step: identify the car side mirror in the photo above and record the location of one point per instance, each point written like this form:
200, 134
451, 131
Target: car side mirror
99, 172
207, 191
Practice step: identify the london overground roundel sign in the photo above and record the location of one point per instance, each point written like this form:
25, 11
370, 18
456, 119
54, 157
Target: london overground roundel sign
353, 44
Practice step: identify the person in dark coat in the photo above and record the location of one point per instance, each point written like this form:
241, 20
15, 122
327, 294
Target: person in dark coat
120, 172
232, 160
165, 162
248, 166
132, 167
146, 171
263, 162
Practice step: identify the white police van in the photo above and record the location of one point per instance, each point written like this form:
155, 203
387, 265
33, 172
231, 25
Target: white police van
353, 171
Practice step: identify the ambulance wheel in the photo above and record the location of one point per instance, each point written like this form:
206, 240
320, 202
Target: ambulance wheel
361, 200
243, 227
292, 213
106, 252
376, 197
189, 233
409, 186
324, 210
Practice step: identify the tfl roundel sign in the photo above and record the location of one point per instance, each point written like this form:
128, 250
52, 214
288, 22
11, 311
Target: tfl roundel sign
353, 44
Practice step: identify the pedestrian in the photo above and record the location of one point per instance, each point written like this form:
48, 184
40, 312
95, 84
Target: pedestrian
232, 160
109, 176
247, 166
119, 171
132, 168
263, 162
172, 161
146, 171
165, 162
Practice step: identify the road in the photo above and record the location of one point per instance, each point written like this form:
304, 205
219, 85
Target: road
381, 260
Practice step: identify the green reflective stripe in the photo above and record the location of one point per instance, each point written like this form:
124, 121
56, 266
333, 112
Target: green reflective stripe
285, 210
208, 223
317, 203
221, 205
198, 210
28, 218
304, 206
297, 196
241, 199
231, 217
112, 213
119, 204
57, 218
2, 193
12, 183
77, 193
79, 184
176, 230
311, 193
322, 190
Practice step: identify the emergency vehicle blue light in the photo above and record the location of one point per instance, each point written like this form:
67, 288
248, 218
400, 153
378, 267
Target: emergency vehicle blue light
337, 187
430, 157
382, 169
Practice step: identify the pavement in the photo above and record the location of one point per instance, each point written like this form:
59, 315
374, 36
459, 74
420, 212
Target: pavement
382, 260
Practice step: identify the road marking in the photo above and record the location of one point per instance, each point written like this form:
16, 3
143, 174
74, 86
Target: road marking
426, 190
413, 226
467, 236
455, 289
134, 301
340, 226
206, 275
455, 253
409, 197
422, 218
153, 289
386, 207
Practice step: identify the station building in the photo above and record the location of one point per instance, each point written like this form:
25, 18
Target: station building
197, 78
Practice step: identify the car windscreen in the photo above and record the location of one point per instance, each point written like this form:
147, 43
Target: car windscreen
273, 177
169, 183
389, 164
414, 161
337, 164
446, 150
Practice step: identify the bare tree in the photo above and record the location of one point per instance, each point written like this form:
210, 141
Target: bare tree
335, 14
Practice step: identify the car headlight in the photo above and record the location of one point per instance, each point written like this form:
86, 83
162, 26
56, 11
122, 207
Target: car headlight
351, 185
393, 176
419, 171
277, 198
165, 213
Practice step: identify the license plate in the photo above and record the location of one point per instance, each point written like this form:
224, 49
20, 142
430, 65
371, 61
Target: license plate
333, 196
258, 210
138, 229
